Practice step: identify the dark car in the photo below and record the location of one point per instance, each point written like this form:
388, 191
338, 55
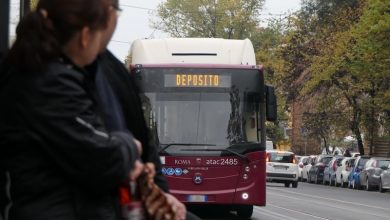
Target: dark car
330, 170
370, 175
354, 175
316, 172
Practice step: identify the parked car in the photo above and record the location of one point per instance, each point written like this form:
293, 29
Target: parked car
370, 175
297, 158
330, 171
305, 170
355, 154
343, 171
316, 172
384, 182
282, 168
301, 163
354, 175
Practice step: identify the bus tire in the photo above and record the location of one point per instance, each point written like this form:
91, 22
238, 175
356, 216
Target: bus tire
245, 211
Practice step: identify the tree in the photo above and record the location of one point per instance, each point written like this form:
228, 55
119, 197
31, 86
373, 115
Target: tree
34, 3
369, 61
230, 19
355, 61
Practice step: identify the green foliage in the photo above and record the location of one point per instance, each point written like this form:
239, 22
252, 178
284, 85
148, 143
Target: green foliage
274, 132
34, 4
230, 19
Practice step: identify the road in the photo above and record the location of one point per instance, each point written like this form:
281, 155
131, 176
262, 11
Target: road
311, 201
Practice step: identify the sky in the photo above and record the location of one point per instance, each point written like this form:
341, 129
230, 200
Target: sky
134, 21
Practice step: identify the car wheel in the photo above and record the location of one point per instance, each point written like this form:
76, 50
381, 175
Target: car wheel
245, 211
294, 184
368, 186
381, 186
287, 185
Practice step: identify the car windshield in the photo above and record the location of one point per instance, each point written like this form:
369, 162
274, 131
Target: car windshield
280, 157
362, 162
325, 160
383, 163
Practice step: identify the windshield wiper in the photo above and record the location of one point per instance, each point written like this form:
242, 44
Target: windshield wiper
182, 144
242, 156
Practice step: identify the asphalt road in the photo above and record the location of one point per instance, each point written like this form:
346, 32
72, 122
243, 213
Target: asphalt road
311, 201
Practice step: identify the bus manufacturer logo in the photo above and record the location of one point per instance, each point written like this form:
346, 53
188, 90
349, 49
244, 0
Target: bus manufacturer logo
198, 178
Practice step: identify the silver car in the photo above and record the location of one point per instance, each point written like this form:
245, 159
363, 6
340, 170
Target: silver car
384, 182
371, 173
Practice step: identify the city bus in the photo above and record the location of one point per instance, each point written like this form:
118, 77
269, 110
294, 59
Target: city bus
206, 104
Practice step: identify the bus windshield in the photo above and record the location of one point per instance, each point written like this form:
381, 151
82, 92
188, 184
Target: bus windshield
185, 113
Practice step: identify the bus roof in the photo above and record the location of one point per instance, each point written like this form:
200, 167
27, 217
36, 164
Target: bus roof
193, 50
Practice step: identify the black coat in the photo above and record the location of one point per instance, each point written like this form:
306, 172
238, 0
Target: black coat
127, 93
60, 163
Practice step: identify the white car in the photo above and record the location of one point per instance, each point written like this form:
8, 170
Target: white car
343, 171
301, 163
306, 167
282, 168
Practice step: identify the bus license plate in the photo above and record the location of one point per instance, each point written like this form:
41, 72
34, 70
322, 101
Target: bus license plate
197, 198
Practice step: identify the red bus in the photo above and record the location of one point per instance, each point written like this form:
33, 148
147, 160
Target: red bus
206, 103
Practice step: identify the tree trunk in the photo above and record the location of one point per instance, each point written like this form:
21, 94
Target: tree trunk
355, 129
326, 145
360, 141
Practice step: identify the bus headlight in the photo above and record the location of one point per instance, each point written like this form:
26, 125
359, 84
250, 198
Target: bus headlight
247, 169
245, 196
245, 176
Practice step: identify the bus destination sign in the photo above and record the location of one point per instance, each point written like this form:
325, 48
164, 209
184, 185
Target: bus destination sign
197, 80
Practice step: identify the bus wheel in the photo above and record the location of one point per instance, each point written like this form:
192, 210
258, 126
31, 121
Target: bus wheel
245, 211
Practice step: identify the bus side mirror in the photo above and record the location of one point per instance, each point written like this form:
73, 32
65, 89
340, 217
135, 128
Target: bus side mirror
271, 105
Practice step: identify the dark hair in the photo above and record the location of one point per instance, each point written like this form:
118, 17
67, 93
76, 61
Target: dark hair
42, 33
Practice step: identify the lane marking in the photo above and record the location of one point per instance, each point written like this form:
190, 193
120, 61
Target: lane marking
262, 213
336, 207
283, 217
334, 200
302, 213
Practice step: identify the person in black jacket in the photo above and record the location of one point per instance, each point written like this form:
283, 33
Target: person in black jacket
114, 78
57, 157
